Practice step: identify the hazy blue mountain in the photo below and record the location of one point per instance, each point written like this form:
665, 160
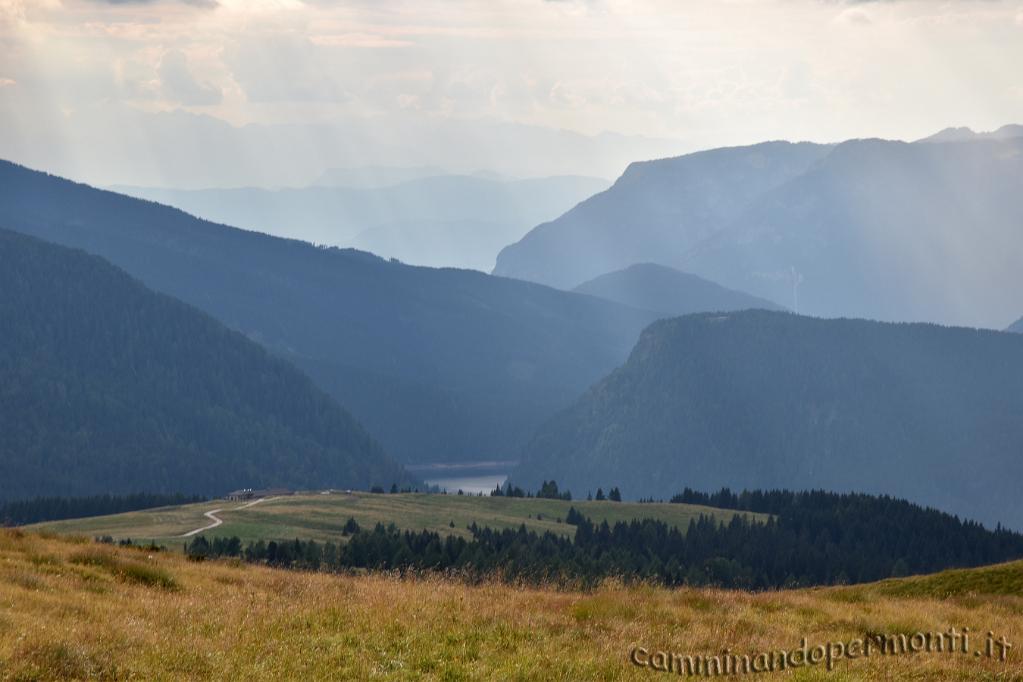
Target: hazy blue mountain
438, 364
927, 231
668, 291
368, 177
109, 387
886, 230
1016, 326
444, 220
965, 134
654, 213
761, 399
469, 244
107, 147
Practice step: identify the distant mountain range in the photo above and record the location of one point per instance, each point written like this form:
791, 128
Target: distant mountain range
965, 134
668, 291
925, 231
655, 213
369, 177
438, 364
1016, 326
439, 220
109, 387
120, 144
763, 399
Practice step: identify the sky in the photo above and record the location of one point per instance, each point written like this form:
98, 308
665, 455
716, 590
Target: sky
273, 92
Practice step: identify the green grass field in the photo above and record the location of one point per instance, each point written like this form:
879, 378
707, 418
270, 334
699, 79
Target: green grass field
321, 517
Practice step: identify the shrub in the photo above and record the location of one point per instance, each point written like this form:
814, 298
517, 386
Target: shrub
126, 571
150, 576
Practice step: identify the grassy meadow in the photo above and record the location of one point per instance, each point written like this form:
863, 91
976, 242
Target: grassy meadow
72, 609
321, 516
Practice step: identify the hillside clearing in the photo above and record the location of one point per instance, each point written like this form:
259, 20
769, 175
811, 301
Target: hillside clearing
321, 516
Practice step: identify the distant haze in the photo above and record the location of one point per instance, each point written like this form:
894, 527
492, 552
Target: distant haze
924, 231
417, 215
219, 93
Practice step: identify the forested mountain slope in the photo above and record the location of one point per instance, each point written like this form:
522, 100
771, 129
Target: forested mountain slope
108, 387
438, 364
761, 399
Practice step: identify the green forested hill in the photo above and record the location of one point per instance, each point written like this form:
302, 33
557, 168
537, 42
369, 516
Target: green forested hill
439, 364
107, 387
758, 399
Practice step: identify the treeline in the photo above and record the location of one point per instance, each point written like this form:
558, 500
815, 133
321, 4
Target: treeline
778, 501
817, 539
57, 508
820, 507
549, 490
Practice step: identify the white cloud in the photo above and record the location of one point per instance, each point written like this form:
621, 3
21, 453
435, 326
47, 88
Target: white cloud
357, 40
286, 68
712, 72
179, 85
205, 4
854, 16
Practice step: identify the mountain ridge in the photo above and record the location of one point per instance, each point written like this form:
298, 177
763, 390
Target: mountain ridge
759, 399
875, 230
669, 291
485, 358
437, 220
110, 387
958, 134
583, 242
866, 228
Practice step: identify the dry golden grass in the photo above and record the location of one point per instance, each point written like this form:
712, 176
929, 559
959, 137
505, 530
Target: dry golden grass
73, 610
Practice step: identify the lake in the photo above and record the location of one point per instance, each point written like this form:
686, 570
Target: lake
469, 477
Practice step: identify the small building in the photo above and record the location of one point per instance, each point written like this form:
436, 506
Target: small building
250, 494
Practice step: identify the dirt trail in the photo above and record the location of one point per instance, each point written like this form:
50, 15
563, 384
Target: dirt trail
212, 516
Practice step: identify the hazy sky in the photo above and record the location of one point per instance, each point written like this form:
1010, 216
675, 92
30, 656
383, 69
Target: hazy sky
701, 73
